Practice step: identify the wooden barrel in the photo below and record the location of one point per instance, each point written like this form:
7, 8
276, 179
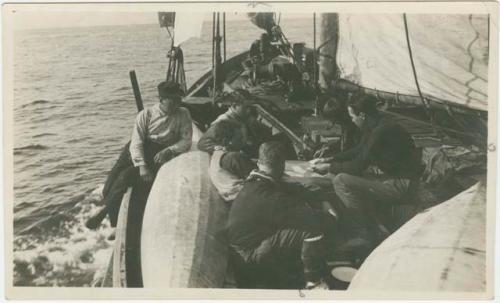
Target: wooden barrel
181, 242
440, 249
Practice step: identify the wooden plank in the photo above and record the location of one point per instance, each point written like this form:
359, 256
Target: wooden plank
107, 280
231, 68
301, 145
120, 247
197, 100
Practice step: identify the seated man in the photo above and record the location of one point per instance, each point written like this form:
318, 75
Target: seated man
232, 140
384, 145
274, 231
160, 133
262, 51
335, 110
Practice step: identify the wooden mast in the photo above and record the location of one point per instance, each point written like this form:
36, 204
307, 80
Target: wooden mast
329, 35
328, 74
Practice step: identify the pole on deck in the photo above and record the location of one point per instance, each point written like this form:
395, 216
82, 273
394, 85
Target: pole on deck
217, 56
137, 91
224, 33
317, 108
329, 34
327, 52
213, 41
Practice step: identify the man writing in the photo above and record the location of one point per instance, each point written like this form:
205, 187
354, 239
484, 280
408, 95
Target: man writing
160, 133
384, 146
274, 231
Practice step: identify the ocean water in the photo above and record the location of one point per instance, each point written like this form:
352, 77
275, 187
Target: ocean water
73, 111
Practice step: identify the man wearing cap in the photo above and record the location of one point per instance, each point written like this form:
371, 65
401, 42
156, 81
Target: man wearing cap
232, 140
160, 133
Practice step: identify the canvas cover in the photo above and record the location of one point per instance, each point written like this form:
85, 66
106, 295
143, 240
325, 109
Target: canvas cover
450, 54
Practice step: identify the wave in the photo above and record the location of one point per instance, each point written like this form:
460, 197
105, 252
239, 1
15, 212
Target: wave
77, 97
28, 148
123, 88
51, 216
43, 135
36, 102
60, 251
31, 147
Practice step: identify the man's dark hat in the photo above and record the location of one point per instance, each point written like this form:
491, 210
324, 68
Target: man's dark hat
169, 89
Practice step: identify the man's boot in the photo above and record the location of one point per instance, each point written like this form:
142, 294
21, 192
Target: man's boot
359, 240
313, 258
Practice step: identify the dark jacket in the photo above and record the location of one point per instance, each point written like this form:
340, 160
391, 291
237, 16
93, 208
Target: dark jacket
234, 136
384, 144
264, 206
264, 52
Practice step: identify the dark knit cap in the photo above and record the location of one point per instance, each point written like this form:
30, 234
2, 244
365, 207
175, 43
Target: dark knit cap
169, 89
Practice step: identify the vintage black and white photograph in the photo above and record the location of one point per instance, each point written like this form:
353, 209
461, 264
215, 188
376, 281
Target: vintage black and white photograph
250, 146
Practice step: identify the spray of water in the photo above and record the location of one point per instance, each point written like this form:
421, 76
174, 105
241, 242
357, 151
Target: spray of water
67, 254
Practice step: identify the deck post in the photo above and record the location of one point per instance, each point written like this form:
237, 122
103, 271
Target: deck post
137, 91
329, 35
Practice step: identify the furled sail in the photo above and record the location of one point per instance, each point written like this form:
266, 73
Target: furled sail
450, 53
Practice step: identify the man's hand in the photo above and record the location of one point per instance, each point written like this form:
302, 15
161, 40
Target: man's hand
320, 160
320, 152
320, 168
220, 147
327, 207
163, 156
145, 174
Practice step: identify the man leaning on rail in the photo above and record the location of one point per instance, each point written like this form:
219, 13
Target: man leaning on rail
383, 169
160, 133
273, 232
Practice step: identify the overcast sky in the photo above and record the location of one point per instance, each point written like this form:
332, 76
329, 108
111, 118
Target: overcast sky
30, 20
50, 19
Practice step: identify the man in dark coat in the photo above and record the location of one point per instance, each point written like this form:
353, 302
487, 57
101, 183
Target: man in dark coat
274, 231
383, 168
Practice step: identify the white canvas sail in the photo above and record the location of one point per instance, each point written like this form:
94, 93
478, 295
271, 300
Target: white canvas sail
450, 54
187, 25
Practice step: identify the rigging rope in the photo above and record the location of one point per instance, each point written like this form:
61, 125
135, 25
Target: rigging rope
437, 129
426, 105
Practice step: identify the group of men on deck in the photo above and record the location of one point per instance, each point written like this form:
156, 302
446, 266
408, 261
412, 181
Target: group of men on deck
276, 229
